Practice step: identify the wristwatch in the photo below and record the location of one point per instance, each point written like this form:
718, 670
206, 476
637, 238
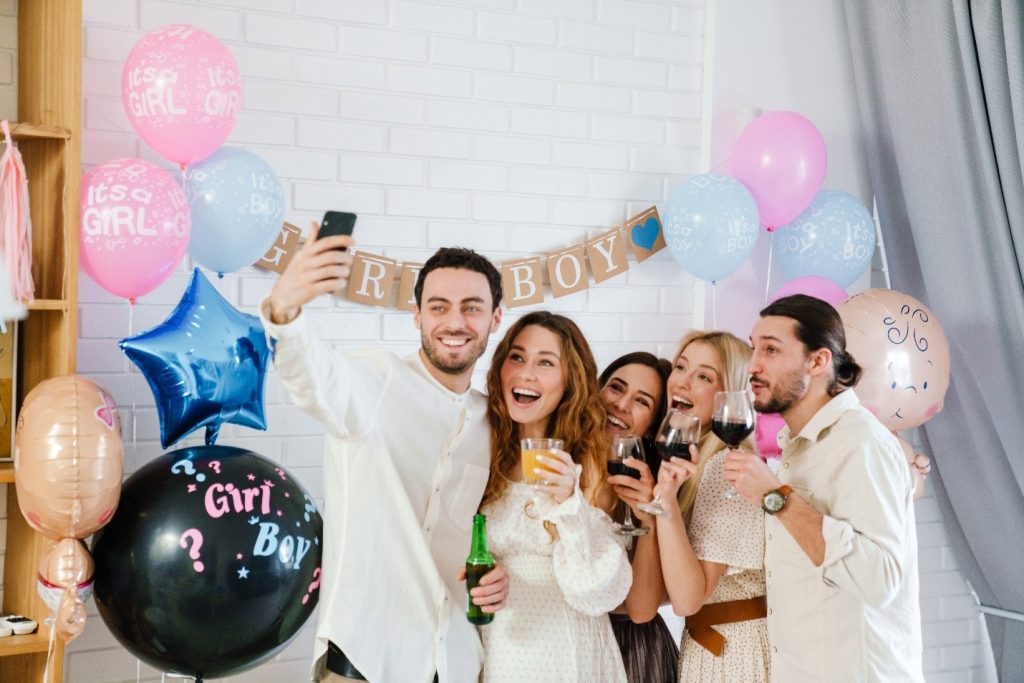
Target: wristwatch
775, 500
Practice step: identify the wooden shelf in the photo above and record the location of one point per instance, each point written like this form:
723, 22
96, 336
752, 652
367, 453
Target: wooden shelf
48, 305
35, 131
49, 138
25, 645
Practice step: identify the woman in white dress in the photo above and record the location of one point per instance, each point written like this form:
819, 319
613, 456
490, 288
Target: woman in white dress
711, 548
567, 568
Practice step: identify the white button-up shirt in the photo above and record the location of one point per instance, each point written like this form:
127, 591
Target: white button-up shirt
405, 466
856, 617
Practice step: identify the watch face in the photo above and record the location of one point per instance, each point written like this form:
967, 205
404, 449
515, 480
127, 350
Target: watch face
773, 502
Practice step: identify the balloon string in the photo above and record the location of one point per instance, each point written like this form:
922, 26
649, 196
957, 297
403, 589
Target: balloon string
714, 307
138, 670
49, 652
131, 376
768, 278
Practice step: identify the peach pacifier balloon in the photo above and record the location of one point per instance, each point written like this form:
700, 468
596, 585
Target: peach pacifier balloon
904, 353
65, 584
68, 457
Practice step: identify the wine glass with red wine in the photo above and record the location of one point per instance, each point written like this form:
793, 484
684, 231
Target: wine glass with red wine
624, 447
732, 421
677, 431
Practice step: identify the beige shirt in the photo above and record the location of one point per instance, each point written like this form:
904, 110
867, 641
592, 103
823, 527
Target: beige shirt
857, 617
405, 465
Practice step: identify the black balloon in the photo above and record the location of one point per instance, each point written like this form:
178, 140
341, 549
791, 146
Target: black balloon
211, 563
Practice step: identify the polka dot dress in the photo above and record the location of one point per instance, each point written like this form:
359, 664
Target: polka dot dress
729, 532
554, 626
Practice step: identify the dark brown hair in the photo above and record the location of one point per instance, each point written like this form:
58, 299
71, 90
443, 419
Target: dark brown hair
818, 326
467, 259
649, 360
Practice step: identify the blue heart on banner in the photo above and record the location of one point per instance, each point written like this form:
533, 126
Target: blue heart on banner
646, 234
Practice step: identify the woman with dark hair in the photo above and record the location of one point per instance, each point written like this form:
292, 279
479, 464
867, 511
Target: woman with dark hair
567, 568
633, 392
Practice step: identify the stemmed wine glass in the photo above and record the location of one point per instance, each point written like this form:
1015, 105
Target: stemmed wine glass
626, 447
677, 431
732, 421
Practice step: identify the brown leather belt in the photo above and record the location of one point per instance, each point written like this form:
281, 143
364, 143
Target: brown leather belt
699, 624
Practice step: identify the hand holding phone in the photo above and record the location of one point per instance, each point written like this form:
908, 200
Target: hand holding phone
337, 223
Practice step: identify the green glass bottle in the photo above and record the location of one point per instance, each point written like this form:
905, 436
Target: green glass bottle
478, 563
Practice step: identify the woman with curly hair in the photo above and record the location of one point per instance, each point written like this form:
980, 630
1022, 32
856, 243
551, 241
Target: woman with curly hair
567, 567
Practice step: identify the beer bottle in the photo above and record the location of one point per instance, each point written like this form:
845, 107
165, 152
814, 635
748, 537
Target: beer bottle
478, 563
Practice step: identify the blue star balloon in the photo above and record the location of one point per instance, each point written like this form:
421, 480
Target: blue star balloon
206, 364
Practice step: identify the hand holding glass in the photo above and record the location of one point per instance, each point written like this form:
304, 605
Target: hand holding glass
676, 433
531, 449
732, 421
624, 447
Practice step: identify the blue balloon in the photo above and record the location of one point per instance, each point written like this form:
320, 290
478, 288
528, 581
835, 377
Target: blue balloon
237, 206
833, 238
711, 225
205, 364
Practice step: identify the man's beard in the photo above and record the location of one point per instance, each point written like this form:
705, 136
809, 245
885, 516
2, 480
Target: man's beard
434, 351
791, 389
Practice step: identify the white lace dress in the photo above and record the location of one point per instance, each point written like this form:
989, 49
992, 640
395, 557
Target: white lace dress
555, 625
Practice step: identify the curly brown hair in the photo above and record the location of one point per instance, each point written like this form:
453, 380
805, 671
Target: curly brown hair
578, 420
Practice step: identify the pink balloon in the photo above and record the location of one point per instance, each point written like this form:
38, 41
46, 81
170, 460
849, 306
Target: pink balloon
135, 226
904, 353
182, 91
766, 434
812, 285
781, 158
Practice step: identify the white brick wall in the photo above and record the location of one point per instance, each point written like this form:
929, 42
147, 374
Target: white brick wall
511, 126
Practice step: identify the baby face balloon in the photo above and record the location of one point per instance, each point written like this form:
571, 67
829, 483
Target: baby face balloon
904, 353
68, 457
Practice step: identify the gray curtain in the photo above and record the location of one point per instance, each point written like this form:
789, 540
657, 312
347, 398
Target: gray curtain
940, 85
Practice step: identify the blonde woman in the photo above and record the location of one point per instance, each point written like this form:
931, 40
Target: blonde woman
711, 548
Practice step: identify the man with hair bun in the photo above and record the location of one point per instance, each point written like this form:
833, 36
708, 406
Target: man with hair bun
840, 536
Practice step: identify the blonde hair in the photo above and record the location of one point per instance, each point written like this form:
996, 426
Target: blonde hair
733, 357
578, 420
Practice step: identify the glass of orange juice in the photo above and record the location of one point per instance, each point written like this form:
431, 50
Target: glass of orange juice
531, 449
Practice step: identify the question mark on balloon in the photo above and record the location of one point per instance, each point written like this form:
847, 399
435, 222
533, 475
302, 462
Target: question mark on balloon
310, 508
313, 586
197, 542
215, 466
188, 468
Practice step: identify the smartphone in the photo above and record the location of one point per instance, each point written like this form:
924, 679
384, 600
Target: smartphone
337, 223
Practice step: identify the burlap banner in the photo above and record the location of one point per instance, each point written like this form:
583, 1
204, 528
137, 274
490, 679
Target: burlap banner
604, 257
